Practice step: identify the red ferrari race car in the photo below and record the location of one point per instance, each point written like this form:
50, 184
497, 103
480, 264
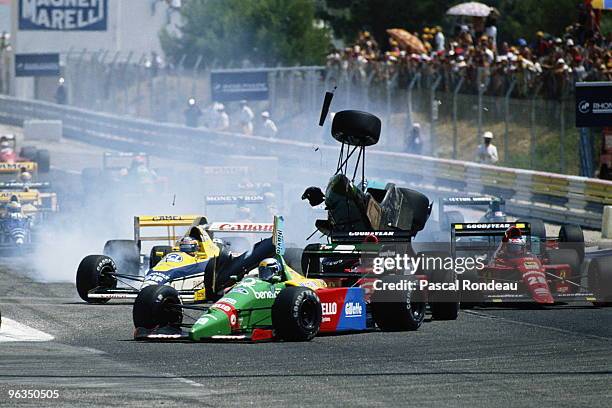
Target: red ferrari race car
515, 266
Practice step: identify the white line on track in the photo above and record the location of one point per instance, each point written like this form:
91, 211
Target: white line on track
11, 331
539, 326
184, 380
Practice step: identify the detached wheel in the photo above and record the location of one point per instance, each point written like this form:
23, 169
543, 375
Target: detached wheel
125, 253
293, 257
296, 314
599, 280
571, 236
397, 310
93, 273
157, 253
44, 160
155, 307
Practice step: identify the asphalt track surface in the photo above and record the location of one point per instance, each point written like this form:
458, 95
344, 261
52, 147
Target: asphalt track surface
559, 356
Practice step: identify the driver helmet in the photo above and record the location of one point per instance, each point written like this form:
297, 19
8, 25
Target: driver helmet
188, 245
516, 246
14, 207
268, 268
25, 177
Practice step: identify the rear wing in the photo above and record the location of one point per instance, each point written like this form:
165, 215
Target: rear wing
226, 199
357, 237
243, 227
170, 222
18, 167
16, 185
108, 156
487, 229
29, 197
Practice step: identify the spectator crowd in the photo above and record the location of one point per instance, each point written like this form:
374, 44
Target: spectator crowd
545, 63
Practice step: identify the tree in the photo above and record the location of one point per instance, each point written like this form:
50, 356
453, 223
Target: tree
263, 32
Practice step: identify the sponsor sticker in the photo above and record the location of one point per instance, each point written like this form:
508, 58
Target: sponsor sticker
174, 258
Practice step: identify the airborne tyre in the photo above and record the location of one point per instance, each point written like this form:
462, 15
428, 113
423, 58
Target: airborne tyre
125, 253
154, 258
296, 314
397, 310
599, 278
43, 160
356, 128
153, 307
92, 273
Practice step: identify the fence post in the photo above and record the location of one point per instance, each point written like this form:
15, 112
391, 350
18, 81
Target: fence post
562, 133
125, 85
433, 114
507, 117
196, 66
532, 143
455, 95
411, 85
482, 87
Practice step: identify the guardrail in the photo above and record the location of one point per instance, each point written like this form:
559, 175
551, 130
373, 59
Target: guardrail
552, 197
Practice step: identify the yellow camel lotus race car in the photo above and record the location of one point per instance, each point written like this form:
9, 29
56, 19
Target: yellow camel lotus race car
198, 276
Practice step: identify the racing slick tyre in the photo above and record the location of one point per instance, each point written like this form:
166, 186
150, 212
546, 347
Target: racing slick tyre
28, 152
43, 160
356, 128
599, 280
572, 237
296, 314
397, 310
157, 253
217, 274
93, 273
125, 253
310, 263
538, 229
470, 298
566, 256
444, 304
154, 307
293, 257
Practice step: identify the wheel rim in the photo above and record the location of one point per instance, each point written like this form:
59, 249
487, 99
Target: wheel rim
107, 281
308, 315
171, 314
417, 310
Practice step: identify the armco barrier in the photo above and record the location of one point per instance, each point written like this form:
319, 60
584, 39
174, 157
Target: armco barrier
552, 197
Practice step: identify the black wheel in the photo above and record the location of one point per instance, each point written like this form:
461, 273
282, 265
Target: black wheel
310, 263
397, 310
599, 279
605, 173
93, 273
566, 256
28, 152
293, 258
572, 237
217, 275
296, 314
125, 253
469, 298
444, 304
538, 229
44, 160
157, 253
356, 128
155, 306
